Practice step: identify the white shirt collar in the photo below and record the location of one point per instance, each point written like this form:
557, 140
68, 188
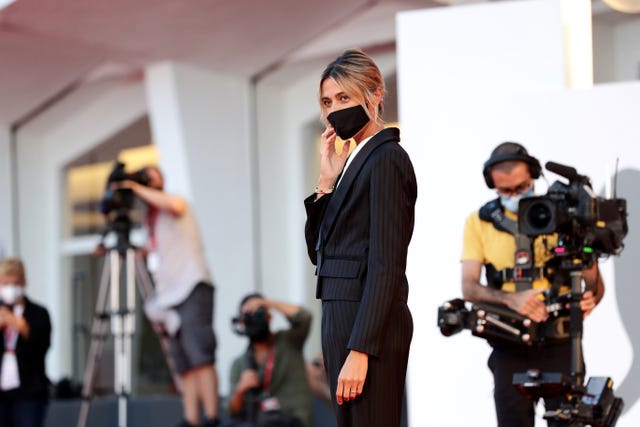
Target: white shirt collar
352, 156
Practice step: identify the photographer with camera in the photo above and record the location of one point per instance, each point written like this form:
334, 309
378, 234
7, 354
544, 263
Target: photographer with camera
514, 268
25, 337
184, 293
269, 381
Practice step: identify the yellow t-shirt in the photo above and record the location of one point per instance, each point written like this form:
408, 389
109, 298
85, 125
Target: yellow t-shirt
483, 242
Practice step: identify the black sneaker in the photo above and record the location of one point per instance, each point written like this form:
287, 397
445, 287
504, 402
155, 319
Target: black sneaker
185, 423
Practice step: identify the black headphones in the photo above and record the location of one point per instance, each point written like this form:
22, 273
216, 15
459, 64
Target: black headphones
509, 151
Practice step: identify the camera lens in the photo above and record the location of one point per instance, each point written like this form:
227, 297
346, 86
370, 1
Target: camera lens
539, 215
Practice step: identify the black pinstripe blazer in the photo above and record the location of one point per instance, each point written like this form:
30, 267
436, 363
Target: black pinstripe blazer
358, 238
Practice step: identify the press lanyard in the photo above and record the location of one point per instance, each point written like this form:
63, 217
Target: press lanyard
10, 340
268, 368
152, 219
10, 334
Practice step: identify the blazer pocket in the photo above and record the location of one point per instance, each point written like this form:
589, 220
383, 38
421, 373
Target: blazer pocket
339, 279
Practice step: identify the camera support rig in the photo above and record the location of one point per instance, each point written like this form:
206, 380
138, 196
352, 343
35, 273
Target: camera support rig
588, 227
592, 404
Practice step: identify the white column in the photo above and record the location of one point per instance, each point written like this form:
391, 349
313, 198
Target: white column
6, 192
201, 125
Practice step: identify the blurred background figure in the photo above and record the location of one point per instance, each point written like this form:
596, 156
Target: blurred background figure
183, 300
24, 342
317, 377
269, 380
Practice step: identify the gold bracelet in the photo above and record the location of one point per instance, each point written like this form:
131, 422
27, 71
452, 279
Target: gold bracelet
319, 190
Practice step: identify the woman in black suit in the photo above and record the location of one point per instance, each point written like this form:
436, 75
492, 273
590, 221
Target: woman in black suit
359, 224
24, 342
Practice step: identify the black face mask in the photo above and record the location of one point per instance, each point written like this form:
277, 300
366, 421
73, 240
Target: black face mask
348, 121
256, 326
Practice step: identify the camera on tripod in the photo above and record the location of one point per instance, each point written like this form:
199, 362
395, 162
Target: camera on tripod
117, 203
120, 200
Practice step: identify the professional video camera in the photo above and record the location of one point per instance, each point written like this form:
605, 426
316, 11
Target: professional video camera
587, 227
116, 204
586, 224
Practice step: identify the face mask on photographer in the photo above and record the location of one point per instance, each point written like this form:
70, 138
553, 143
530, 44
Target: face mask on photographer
348, 121
510, 203
256, 325
10, 294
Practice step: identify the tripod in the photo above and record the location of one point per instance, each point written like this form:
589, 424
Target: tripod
115, 310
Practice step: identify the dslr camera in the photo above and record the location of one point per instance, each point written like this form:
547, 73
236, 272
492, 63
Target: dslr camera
253, 325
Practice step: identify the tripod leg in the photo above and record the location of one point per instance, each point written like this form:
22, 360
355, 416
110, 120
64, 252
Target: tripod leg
99, 329
126, 332
146, 290
118, 322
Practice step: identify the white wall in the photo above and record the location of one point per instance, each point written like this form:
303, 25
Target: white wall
451, 123
604, 66
627, 51
6, 203
616, 50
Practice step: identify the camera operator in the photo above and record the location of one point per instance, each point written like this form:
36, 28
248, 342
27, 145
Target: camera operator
489, 244
269, 380
184, 293
24, 342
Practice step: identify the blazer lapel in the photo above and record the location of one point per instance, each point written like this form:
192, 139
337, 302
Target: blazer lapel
340, 193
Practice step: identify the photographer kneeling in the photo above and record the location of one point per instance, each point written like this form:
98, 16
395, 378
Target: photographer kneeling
269, 381
491, 241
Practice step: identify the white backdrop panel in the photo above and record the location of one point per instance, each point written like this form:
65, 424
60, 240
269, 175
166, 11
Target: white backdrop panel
448, 377
449, 132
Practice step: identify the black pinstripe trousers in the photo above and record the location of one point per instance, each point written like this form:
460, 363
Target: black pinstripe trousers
380, 404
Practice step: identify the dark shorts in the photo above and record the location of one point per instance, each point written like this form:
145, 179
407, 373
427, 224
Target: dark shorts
195, 343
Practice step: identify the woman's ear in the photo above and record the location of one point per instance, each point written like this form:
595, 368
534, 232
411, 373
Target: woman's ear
378, 94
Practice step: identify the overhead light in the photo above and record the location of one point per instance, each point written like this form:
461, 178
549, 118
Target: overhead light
627, 6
